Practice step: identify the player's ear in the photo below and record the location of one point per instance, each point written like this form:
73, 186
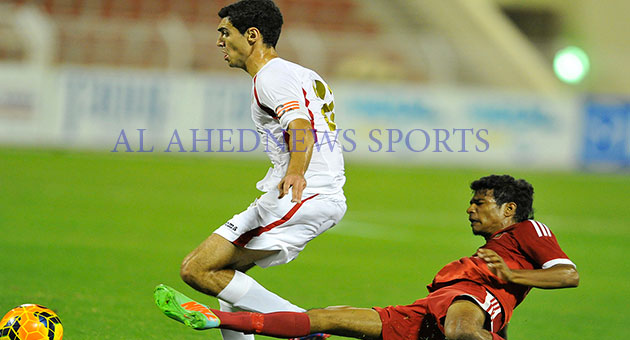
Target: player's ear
509, 209
252, 34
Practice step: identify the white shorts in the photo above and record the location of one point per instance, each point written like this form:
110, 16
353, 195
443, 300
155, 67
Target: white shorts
270, 223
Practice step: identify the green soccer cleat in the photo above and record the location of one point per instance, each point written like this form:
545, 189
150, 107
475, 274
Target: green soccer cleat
179, 307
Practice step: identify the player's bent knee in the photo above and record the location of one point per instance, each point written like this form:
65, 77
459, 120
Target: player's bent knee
193, 273
464, 321
188, 273
209, 281
453, 332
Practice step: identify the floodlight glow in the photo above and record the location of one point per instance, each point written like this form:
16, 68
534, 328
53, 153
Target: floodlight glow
571, 64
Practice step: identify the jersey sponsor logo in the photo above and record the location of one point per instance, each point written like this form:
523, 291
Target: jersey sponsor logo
286, 107
541, 229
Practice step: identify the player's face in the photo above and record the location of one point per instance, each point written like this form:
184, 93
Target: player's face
233, 44
485, 216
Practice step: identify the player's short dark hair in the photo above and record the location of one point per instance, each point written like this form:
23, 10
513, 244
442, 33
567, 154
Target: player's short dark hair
262, 14
507, 189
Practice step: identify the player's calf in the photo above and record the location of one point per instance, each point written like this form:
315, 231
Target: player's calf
360, 323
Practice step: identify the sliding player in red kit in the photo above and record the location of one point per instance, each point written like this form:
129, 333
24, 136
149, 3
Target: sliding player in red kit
471, 298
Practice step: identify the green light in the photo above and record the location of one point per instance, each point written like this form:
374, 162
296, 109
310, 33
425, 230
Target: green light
571, 64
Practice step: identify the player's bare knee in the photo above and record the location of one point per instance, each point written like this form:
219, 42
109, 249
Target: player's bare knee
208, 282
200, 278
187, 271
459, 331
465, 336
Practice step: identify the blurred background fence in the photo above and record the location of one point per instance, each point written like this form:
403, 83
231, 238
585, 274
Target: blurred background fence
468, 82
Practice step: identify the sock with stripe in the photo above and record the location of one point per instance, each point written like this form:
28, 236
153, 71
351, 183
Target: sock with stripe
228, 334
279, 324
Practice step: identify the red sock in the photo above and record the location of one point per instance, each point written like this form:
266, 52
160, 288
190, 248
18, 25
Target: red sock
279, 324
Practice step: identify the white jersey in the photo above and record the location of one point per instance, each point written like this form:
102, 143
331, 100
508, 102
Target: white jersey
282, 92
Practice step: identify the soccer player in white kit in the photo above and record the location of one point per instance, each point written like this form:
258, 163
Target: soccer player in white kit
293, 110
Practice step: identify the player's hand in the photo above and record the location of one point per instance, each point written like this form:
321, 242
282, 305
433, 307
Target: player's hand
496, 264
294, 181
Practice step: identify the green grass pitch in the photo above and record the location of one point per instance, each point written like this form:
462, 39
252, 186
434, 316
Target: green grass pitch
91, 234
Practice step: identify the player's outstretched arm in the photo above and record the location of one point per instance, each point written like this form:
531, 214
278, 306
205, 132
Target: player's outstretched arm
558, 276
301, 142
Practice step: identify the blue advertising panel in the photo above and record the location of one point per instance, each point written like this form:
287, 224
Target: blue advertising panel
607, 132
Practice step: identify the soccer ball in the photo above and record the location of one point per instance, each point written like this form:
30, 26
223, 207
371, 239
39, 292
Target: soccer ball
31, 322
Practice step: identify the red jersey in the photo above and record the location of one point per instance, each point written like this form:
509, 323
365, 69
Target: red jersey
525, 245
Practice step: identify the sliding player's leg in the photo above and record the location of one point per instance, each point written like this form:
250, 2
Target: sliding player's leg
227, 334
360, 323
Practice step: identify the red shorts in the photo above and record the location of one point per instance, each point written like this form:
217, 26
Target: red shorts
424, 319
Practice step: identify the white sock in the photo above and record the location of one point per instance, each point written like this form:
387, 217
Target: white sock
230, 334
245, 293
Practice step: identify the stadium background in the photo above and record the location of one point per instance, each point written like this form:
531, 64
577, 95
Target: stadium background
89, 232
